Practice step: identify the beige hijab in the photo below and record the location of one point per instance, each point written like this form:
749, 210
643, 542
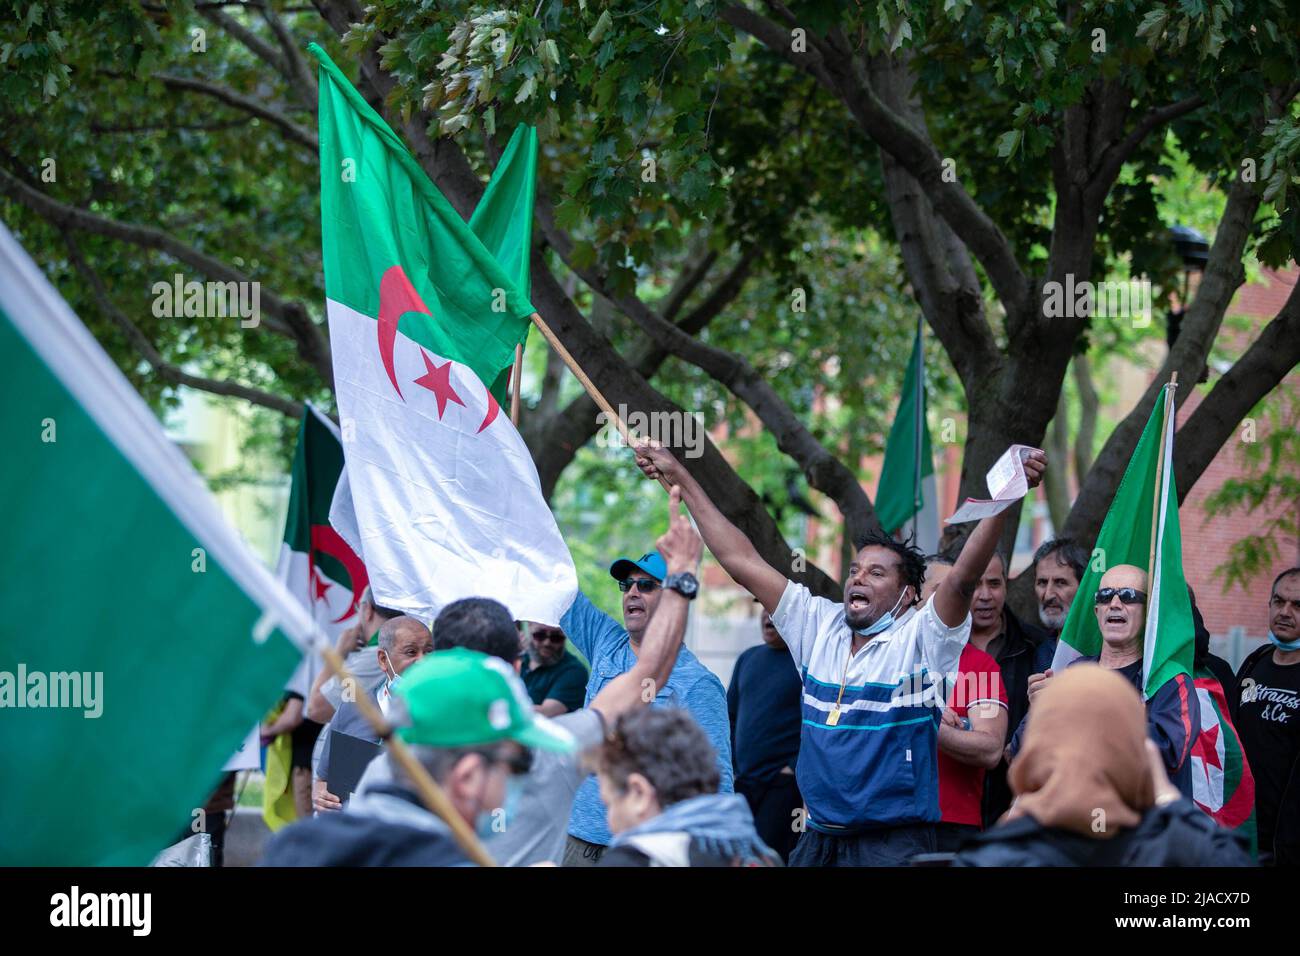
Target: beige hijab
1084, 766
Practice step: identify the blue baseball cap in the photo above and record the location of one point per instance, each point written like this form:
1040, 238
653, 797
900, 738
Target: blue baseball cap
652, 563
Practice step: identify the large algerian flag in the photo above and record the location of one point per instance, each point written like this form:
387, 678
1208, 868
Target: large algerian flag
1168, 644
1222, 784
141, 637
423, 318
907, 499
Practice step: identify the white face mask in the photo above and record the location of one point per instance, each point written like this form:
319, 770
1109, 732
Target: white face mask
385, 695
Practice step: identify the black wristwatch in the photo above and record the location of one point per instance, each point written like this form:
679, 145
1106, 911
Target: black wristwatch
684, 584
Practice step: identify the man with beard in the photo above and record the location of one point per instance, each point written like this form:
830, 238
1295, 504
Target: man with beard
1058, 569
872, 666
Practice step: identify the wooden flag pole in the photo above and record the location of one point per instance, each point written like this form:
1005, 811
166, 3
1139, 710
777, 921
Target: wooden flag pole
592, 390
1160, 466
432, 795
516, 375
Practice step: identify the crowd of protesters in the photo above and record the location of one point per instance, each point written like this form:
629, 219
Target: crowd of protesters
918, 719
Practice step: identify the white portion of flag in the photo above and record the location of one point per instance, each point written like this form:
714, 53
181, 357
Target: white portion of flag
925, 523
446, 506
343, 516
1153, 596
71, 353
1207, 779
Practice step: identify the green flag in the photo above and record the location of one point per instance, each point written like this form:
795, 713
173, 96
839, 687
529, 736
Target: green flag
1125, 538
503, 221
423, 318
142, 639
907, 475
395, 249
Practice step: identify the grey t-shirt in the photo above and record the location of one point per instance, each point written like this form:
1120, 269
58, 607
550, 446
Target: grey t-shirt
539, 823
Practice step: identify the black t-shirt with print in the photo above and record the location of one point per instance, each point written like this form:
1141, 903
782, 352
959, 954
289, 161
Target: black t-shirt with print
1268, 721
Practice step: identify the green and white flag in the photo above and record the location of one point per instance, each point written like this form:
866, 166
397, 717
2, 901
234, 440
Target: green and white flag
1168, 643
141, 637
423, 319
907, 498
317, 565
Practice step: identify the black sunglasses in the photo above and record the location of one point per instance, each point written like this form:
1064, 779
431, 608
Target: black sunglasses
1126, 596
644, 585
553, 637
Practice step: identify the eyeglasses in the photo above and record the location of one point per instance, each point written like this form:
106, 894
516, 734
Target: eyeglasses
1126, 596
644, 585
550, 637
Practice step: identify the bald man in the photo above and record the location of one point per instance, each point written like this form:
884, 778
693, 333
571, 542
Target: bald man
1173, 716
402, 641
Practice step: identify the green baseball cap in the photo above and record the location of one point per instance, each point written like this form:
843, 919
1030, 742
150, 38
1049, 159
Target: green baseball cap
461, 698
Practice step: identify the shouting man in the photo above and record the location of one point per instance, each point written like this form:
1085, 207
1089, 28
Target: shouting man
872, 670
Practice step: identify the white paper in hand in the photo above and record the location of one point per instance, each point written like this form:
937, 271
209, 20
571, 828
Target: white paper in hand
1007, 485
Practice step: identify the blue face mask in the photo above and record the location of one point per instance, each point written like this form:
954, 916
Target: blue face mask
884, 623
486, 826
1282, 645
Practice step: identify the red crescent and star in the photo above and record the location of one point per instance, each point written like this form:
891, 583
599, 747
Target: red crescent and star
328, 541
396, 298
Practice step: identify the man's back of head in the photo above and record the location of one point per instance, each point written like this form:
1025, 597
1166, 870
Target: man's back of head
480, 624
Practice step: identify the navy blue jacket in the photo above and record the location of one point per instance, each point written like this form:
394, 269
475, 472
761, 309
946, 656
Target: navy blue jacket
1173, 721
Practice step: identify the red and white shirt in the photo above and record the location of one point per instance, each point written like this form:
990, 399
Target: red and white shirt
961, 785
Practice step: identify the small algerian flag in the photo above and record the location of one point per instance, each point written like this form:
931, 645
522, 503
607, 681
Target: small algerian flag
316, 564
1222, 784
423, 318
907, 495
142, 638
1126, 538
319, 568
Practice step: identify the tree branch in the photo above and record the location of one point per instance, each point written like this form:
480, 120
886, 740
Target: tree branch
299, 134
845, 75
285, 318
255, 44
1223, 275
169, 371
299, 72
1270, 358
1114, 157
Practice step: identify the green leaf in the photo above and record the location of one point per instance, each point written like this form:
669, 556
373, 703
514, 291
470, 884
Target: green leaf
1153, 25
602, 24
1008, 143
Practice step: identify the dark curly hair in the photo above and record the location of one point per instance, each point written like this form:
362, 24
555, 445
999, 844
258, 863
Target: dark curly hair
911, 561
667, 747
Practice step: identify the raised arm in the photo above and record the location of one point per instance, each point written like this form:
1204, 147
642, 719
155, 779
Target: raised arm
732, 549
681, 548
952, 599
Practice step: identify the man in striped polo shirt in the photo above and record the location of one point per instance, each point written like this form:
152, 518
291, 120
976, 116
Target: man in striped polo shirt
873, 670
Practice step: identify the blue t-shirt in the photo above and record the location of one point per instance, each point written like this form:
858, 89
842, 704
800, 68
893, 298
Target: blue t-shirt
763, 702
604, 642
